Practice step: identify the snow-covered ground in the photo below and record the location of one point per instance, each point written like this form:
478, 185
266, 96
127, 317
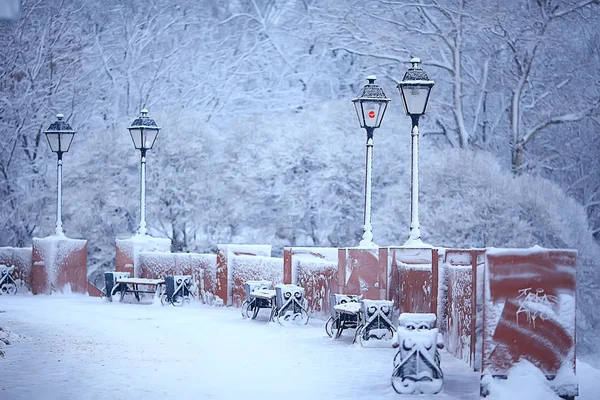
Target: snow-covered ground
76, 347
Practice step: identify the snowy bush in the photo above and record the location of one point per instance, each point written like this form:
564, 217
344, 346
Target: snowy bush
468, 200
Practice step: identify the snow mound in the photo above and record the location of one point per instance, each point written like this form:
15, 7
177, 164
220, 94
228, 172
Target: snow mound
6, 338
524, 381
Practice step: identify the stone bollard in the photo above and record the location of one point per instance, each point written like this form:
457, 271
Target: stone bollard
417, 363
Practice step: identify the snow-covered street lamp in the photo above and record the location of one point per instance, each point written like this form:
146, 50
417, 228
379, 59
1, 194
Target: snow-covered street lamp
143, 133
415, 88
370, 104
59, 135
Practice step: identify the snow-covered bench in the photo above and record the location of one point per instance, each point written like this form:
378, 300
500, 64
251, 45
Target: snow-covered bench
259, 294
286, 302
137, 286
345, 314
7, 283
371, 318
178, 290
110, 282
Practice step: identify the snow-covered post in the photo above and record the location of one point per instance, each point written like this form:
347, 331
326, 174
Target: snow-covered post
142, 229
59, 135
370, 104
143, 133
415, 88
59, 229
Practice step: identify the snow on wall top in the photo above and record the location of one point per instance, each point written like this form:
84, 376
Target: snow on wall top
521, 252
271, 266
21, 255
403, 265
133, 246
189, 258
139, 243
246, 249
412, 256
75, 244
314, 254
314, 265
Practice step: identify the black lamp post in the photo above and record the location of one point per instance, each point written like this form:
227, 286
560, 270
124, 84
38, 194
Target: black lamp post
143, 133
59, 135
415, 88
370, 105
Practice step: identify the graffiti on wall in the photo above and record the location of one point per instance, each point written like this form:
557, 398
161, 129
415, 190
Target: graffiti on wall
529, 312
534, 304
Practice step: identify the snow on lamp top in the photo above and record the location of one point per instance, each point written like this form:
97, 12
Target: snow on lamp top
370, 104
143, 131
415, 88
60, 135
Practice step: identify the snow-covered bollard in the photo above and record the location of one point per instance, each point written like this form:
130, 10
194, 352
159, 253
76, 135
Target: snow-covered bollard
7, 284
417, 363
290, 304
110, 282
178, 289
376, 321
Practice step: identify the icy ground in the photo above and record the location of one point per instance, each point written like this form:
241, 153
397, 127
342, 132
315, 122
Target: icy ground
76, 347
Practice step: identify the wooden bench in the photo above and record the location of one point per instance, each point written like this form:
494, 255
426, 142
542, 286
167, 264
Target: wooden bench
132, 285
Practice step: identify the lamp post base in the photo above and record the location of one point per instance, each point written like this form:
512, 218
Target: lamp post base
367, 243
415, 243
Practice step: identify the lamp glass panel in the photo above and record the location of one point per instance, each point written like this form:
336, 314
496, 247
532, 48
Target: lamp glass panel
149, 136
382, 108
371, 110
136, 136
359, 113
415, 98
53, 141
65, 141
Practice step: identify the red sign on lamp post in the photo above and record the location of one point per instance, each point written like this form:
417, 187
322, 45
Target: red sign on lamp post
371, 114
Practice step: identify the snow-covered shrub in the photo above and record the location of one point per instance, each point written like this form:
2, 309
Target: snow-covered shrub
468, 200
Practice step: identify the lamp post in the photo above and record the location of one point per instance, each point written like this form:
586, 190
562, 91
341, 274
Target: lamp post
59, 135
370, 105
143, 132
415, 88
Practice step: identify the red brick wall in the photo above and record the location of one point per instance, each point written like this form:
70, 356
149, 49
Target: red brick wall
225, 280
530, 309
316, 270
414, 279
202, 268
58, 264
364, 272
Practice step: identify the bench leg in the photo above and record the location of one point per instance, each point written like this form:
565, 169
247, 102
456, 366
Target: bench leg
123, 291
273, 314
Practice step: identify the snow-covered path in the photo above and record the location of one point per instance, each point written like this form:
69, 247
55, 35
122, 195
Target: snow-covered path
77, 347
